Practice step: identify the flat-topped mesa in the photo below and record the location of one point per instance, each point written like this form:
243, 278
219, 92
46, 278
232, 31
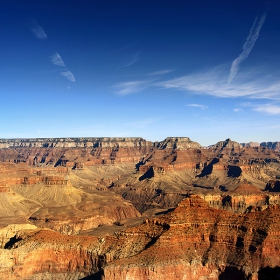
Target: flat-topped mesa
82, 142
74, 152
117, 142
180, 143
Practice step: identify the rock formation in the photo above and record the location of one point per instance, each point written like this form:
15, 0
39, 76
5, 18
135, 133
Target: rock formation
270, 145
194, 242
103, 208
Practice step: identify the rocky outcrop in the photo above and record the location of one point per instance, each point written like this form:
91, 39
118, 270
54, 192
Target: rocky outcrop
48, 255
244, 199
180, 143
192, 242
271, 145
250, 144
199, 242
227, 144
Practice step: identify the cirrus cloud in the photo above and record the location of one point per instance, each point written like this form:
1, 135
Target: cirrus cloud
270, 109
37, 30
57, 60
68, 75
130, 87
197, 106
214, 83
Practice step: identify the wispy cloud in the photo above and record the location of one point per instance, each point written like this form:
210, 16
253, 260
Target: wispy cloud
247, 47
266, 108
269, 109
161, 72
214, 83
130, 87
38, 31
197, 106
237, 110
131, 61
57, 60
68, 75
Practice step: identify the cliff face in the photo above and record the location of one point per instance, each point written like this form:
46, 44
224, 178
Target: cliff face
192, 242
244, 199
199, 242
151, 175
53, 192
167, 174
73, 142
270, 145
72, 152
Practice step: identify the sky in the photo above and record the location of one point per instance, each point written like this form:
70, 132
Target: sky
205, 69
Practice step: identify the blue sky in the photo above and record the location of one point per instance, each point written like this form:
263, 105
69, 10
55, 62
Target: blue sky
208, 70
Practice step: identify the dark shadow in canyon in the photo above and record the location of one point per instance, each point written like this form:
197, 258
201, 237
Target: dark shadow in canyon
138, 165
148, 175
13, 240
96, 276
232, 273
273, 188
234, 171
269, 273
207, 170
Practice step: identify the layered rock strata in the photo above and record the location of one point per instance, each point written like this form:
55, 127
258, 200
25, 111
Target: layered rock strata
192, 242
157, 175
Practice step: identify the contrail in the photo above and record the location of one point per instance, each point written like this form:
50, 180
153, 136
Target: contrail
247, 47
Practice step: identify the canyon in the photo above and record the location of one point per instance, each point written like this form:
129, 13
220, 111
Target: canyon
128, 208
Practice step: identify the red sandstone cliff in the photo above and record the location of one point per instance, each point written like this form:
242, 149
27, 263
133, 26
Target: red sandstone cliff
192, 242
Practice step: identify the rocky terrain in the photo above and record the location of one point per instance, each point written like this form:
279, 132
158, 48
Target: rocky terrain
270, 145
127, 208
